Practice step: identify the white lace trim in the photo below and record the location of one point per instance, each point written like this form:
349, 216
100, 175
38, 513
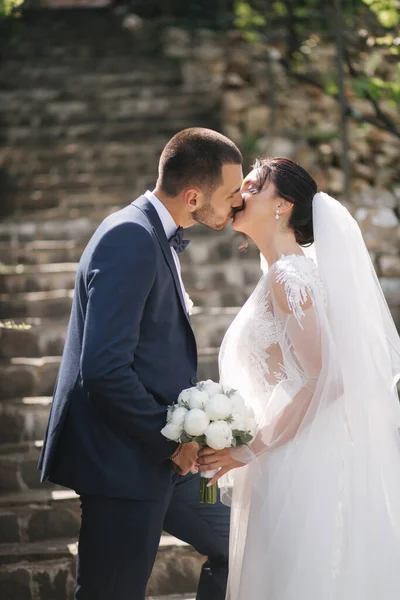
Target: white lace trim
299, 276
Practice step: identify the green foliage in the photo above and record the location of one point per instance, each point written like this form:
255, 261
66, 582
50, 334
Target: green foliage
14, 326
248, 20
387, 11
376, 89
7, 7
247, 17
309, 24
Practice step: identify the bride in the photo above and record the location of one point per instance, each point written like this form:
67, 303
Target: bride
316, 496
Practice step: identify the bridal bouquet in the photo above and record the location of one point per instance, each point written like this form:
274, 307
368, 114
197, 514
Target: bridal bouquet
211, 415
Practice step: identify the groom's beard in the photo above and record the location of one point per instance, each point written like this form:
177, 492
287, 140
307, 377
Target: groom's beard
207, 216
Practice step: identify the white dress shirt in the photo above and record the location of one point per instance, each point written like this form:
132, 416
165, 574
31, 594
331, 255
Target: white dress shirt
170, 227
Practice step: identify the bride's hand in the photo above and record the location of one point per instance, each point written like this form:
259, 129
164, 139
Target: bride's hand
210, 459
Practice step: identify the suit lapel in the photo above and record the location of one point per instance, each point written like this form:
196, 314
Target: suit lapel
146, 207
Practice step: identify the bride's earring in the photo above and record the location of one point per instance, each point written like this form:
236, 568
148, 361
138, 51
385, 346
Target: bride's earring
277, 214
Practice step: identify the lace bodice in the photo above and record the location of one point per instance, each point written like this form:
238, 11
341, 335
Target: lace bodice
259, 334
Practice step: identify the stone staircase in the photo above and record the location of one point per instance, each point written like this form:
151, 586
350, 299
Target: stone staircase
83, 120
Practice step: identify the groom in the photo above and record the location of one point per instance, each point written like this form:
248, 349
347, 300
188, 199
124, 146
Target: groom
129, 352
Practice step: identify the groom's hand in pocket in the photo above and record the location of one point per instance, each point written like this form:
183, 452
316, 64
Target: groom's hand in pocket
186, 460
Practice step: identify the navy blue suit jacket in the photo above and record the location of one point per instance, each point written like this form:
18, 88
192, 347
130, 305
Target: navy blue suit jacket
129, 352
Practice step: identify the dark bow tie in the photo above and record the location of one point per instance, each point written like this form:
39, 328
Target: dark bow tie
177, 242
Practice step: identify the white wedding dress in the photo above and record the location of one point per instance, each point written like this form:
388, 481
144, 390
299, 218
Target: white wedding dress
316, 509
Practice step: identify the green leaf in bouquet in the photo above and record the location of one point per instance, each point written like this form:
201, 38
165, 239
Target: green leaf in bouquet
185, 438
237, 433
201, 440
246, 438
231, 392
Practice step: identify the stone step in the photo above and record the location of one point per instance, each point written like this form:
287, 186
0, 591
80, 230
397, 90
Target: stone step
23, 377
121, 130
46, 337
18, 467
96, 110
37, 278
37, 515
48, 569
41, 252
48, 277
52, 579
50, 225
52, 192
126, 87
87, 78
60, 235
36, 338
57, 303
63, 223
110, 181
24, 419
95, 150
35, 377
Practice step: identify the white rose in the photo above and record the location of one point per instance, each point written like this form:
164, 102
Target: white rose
184, 396
171, 432
196, 422
238, 404
218, 407
238, 422
211, 387
178, 417
219, 435
197, 398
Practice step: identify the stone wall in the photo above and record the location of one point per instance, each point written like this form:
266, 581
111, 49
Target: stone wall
267, 113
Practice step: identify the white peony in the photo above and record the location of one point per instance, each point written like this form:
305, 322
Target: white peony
228, 390
184, 396
196, 422
218, 407
197, 398
238, 423
211, 387
171, 432
170, 410
219, 435
178, 417
238, 404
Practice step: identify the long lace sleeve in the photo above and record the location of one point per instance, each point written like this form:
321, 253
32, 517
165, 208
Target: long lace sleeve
300, 345
295, 362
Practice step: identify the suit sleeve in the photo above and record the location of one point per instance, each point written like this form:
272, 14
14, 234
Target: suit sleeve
119, 279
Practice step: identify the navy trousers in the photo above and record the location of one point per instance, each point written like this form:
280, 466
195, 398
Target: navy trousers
119, 540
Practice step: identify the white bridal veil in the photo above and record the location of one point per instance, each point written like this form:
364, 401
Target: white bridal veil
316, 511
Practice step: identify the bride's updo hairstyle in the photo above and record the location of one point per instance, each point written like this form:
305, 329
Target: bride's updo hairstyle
294, 184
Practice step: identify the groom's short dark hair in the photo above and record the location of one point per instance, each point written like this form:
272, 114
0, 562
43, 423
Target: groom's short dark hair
195, 157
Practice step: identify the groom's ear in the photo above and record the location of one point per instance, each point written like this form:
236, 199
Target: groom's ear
192, 198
